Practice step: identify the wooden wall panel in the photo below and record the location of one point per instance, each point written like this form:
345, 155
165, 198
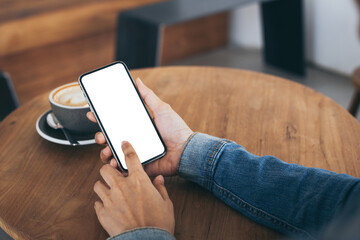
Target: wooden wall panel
16, 9
32, 50
63, 24
38, 70
195, 36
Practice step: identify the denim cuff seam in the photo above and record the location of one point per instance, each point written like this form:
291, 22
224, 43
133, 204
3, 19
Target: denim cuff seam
260, 213
183, 150
208, 161
211, 161
137, 229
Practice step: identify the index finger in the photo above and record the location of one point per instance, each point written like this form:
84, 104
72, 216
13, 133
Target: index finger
131, 158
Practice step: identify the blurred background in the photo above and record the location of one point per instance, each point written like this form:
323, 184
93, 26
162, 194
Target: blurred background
44, 44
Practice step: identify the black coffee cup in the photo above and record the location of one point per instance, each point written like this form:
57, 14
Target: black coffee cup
72, 114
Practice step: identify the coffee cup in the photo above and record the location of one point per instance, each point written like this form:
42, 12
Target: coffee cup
70, 107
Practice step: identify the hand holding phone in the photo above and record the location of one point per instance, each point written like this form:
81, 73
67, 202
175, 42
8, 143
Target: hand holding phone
121, 113
171, 126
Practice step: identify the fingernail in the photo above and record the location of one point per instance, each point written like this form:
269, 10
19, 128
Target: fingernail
97, 136
113, 163
161, 179
140, 80
124, 143
105, 151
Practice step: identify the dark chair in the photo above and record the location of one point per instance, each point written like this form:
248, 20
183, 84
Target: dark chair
8, 97
8, 102
355, 101
140, 30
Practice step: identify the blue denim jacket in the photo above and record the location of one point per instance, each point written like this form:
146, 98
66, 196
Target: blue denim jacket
289, 198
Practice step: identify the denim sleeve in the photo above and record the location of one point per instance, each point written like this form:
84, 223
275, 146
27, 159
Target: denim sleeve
147, 233
289, 198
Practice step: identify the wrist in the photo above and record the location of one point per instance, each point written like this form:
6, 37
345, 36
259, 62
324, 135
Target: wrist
199, 158
184, 146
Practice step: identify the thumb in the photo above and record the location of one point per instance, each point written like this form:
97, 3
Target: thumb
159, 185
91, 117
150, 98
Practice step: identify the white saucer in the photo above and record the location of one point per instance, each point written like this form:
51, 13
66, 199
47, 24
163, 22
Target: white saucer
57, 136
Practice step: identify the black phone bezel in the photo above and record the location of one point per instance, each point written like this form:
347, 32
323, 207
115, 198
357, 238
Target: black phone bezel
100, 123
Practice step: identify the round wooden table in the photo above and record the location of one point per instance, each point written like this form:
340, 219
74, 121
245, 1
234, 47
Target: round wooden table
46, 190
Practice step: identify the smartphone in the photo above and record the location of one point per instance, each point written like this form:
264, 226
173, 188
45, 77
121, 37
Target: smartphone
121, 113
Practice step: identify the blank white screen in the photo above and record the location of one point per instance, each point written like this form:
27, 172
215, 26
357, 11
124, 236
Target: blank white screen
121, 112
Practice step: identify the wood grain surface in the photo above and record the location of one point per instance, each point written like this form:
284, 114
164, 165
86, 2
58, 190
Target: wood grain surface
46, 190
56, 22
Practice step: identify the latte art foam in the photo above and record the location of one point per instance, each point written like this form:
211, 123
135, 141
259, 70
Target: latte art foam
70, 96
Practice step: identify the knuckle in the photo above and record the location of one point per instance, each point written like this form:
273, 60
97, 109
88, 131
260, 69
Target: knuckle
137, 173
106, 167
164, 107
131, 154
106, 170
117, 186
103, 169
137, 184
112, 179
96, 185
167, 106
102, 215
151, 92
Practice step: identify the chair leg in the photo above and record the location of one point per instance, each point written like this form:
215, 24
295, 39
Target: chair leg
355, 103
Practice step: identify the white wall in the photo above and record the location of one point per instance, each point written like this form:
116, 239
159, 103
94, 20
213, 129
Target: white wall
245, 27
331, 32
